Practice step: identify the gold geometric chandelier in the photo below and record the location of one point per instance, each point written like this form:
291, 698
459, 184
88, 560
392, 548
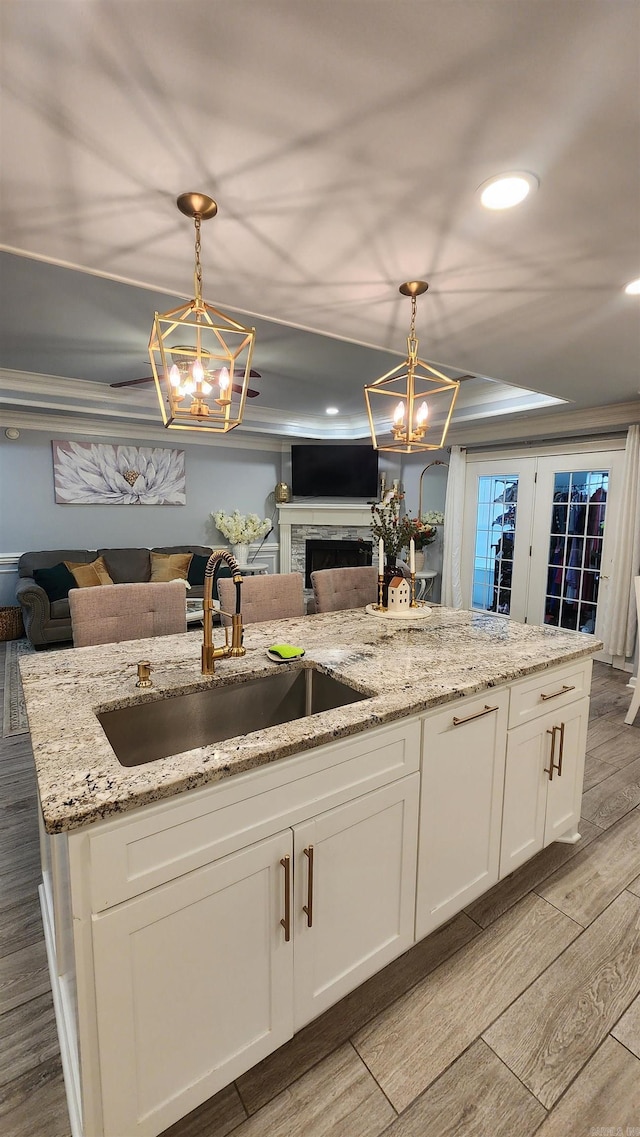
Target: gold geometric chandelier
201, 359
397, 401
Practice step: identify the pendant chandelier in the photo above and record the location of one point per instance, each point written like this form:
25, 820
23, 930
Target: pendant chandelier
397, 402
201, 359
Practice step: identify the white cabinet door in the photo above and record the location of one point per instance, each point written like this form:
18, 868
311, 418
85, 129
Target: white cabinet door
460, 807
564, 791
193, 987
543, 782
355, 870
525, 793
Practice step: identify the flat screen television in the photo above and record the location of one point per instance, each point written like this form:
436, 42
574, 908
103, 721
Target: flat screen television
334, 471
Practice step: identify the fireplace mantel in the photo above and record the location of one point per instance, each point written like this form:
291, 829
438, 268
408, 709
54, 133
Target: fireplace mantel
335, 513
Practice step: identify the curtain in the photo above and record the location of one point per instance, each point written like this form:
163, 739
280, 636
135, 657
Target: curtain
620, 621
453, 516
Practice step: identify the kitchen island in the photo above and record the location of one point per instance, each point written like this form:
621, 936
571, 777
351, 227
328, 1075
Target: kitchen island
202, 907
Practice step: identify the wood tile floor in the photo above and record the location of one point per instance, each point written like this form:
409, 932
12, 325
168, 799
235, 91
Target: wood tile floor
520, 1016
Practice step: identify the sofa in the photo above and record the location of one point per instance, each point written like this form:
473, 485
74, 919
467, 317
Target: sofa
45, 610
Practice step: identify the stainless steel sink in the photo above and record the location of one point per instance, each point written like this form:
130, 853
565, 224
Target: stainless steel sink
147, 731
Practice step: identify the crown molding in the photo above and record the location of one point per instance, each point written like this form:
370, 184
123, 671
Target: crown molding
546, 424
50, 402
74, 398
59, 426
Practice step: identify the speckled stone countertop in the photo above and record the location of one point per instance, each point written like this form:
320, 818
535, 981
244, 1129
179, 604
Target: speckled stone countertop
402, 669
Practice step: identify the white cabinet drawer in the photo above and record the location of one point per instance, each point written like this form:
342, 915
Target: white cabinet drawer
549, 690
161, 842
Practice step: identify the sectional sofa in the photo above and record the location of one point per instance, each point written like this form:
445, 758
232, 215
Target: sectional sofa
45, 603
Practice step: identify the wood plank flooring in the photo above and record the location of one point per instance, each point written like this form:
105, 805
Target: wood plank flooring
520, 1016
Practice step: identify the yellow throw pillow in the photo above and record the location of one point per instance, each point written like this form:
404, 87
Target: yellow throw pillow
170, 566
91, 575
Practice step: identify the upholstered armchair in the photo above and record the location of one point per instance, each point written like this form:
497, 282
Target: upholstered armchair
272, 597
337, 589
117, 612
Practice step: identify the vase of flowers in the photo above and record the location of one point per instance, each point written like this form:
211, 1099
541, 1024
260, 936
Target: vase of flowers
394, 530
426, 534
241, 553
241, 529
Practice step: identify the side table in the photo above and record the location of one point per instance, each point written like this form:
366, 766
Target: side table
254, 568
424, 583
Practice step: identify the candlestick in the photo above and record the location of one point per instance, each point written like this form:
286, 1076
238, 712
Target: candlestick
413, 603
380, 605
412, 556
380, 555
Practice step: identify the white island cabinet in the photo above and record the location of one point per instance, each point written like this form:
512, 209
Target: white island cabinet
545, 762
202, 971
190, 934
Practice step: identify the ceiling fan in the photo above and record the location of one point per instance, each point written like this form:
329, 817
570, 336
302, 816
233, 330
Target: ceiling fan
251, 394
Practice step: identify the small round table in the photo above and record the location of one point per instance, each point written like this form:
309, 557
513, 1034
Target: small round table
424, 583
253, 568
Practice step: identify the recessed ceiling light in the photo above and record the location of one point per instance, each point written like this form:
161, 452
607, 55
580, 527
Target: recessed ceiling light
507, 190
633, 287
333, 411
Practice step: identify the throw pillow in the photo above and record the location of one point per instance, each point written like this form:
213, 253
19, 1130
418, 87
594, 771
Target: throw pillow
196, 569
56, 581
91, 575
170, 566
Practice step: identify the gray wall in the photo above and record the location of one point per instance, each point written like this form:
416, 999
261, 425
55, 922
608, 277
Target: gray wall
218, 477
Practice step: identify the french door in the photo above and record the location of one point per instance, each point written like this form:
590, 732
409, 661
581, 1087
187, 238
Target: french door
538, 536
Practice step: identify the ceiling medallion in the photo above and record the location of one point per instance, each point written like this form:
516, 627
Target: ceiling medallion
403, 425
201, 359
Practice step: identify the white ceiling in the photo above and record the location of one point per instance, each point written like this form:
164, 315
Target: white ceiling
344, 141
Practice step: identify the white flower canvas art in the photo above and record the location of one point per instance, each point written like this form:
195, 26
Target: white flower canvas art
89, 473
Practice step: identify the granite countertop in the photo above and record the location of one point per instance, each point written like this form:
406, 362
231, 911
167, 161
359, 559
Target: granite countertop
402, 669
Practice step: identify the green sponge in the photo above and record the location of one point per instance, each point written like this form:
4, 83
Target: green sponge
286, 651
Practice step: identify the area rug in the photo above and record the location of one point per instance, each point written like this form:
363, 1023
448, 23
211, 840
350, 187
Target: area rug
14, 718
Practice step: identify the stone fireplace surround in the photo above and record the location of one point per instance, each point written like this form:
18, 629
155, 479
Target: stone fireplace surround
320, 520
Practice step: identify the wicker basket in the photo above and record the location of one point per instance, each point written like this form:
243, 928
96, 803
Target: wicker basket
11, 626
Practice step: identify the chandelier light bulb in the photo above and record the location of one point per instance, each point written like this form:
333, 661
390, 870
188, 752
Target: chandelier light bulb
198, 371
633, 288
205, 387
223, 381
189, 385
174, 376
398, 415
421, 417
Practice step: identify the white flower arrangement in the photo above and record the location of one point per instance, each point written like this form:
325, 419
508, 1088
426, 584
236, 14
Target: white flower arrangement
240, 528
434, 517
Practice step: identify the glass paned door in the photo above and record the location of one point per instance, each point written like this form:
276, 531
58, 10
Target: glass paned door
495, 553
572, 539
575, 548
495, 537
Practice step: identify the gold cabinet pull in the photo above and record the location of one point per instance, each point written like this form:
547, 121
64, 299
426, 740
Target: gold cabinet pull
308, 907
475, 715
561, 750
551, 767
562, 691
286, 923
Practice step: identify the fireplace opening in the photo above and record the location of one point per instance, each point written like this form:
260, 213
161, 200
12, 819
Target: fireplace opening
335, 554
